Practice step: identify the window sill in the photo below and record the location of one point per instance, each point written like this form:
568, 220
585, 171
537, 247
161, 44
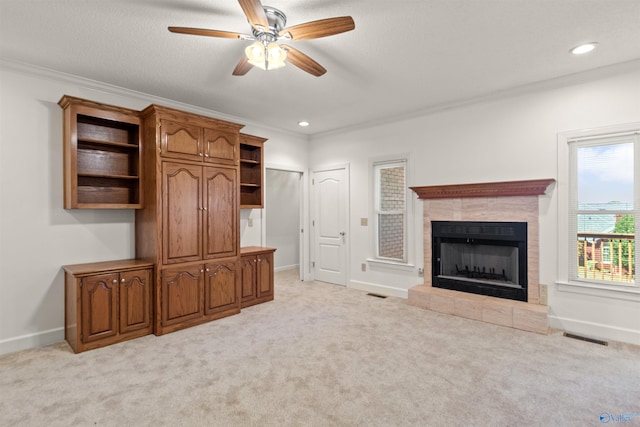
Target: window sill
391, 264
623, 292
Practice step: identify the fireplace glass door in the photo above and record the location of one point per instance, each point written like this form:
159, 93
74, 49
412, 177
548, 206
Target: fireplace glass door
487, 258
480, 263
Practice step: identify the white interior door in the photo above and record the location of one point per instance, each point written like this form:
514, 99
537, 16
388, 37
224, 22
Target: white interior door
330, 188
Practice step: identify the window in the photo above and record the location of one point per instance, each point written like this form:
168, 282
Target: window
602, 212
390, 210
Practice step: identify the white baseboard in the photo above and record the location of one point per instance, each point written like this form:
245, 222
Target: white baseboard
595, 330
375, 288
286, 267
26, 342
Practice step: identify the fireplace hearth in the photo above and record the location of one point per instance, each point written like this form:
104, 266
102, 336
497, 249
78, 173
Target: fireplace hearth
485, 258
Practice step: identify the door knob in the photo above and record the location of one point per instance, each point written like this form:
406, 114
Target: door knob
342, 233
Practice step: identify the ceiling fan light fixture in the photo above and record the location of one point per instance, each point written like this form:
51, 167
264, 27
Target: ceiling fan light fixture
266, 56
255, 53
277, 55
268, 26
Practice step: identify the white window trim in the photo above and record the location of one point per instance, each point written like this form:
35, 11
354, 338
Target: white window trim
410, 238
582, 286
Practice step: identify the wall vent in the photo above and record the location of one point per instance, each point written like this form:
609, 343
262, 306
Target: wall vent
587, 339
377, 295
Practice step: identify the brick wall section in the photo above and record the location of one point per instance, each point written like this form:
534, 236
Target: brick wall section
391, 226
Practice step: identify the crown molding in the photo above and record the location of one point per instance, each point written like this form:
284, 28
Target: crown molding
83, 82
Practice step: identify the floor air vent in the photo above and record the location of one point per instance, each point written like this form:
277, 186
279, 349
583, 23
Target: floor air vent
376, 295
581, 338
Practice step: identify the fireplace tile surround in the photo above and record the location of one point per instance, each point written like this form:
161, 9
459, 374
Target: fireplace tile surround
514, 201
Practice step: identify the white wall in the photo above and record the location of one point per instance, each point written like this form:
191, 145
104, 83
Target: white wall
38, 236
506, 138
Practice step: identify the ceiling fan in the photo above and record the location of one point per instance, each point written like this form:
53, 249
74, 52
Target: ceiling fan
267, 29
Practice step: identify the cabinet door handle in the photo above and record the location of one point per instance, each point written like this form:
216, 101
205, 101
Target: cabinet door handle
204, 209
122, 280
115, 281
208, 269
200, 154
201, 271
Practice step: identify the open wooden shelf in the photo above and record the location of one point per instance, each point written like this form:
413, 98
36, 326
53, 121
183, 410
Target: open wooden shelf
102, 155
251, 171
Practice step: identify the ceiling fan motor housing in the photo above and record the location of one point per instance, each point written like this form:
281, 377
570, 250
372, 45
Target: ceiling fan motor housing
277, 21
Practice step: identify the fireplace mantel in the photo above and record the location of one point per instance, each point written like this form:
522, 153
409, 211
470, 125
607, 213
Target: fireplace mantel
533, 187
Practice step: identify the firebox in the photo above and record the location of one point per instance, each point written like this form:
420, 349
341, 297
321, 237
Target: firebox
486, 258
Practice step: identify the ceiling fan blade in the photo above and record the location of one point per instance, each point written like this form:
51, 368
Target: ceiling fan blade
303, 61
321, 28
209, 33
255, 13
243, 67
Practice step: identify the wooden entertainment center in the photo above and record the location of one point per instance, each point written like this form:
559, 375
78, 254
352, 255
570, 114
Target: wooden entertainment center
187, 176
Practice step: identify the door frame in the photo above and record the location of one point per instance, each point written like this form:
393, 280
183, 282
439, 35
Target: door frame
304, 216
312, 215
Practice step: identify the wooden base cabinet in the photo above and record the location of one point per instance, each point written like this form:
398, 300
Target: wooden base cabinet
107, 302
196, 294
256, 266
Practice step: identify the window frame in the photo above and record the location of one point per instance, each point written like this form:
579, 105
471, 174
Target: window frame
377, 211
409, 238
567, 206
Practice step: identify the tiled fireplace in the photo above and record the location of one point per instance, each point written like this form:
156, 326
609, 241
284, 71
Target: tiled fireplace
486, 203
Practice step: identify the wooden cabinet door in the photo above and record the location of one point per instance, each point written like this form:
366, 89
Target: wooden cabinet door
99, 307
249, 277
221, 287
181, 213
180, 140
220, 147
135, 300
181, 294
265, 275
221, 212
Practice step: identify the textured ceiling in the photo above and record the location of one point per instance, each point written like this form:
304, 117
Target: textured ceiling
403, 56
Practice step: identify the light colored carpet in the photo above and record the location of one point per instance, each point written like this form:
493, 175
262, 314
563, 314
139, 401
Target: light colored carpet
324, 355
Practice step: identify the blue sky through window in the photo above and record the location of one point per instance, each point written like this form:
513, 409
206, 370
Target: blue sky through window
605, 174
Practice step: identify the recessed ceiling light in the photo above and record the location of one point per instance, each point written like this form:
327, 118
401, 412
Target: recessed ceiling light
583, 48
303, 123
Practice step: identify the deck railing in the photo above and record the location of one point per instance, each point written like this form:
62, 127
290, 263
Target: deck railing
606, 256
